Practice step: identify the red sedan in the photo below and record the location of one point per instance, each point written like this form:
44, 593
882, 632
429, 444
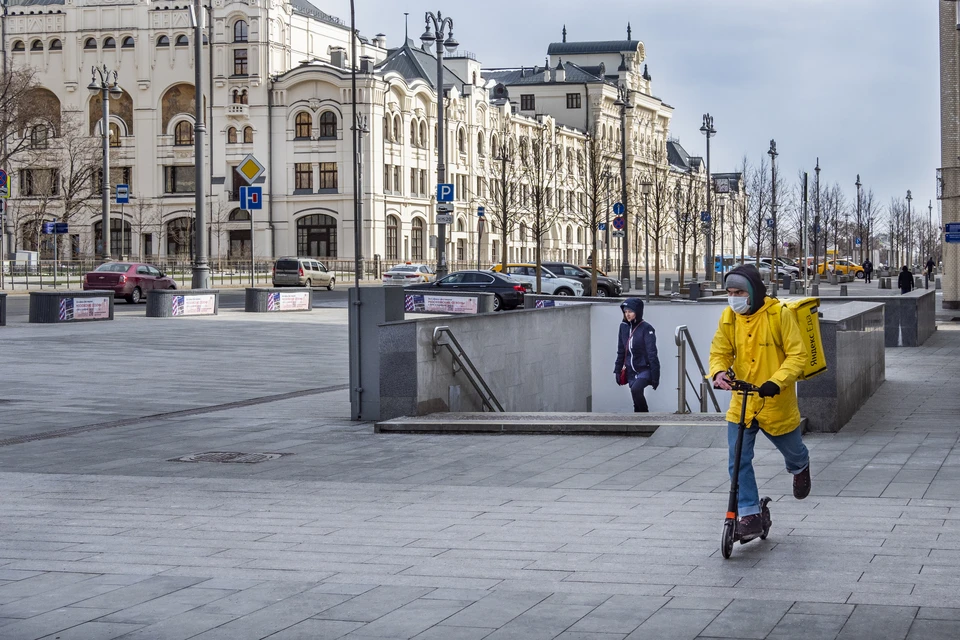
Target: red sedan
128, 280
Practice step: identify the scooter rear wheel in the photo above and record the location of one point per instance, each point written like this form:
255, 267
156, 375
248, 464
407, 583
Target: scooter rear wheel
728, 538
765, 514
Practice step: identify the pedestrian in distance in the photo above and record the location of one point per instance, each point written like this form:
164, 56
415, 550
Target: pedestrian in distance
867, 270
930, 267
772, 359
637, 365
905, 280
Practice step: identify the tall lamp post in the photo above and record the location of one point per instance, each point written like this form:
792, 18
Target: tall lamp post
858, 184
773, 208
201, 267
645, 189
104, 82
443, 27
909, 243
709, 258
623, 101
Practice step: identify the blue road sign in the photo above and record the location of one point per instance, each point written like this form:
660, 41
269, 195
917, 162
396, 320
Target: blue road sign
618, 223
952, 237
55, 228
481, 212
618, 208
602, 226
444, 193
3, 176
857, 242
47, 227
251, 198
952, 227
123, 194
704, 216
770, 223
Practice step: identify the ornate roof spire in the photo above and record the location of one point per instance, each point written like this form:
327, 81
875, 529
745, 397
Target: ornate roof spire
629, 32
564, 33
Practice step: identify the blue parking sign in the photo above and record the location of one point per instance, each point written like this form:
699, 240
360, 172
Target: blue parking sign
445, 192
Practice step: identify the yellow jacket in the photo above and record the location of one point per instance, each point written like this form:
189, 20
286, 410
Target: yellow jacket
747, 344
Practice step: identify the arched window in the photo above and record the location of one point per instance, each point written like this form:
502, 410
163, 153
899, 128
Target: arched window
109, 43
462, 140
414, 138
114, 134
19, 46
240, 31
183, 133
579, 235
317, 236
163, 41
423, 134
569, 235
304, 126
416, 239
495, 146
239, 96
386, 128
127, 42
90, 44
231, 136
461, 226
248, 135
328, 124
480, 149
120, 236
393, 238
40, 136
180, 240
36, 45
56, 45
239, 215
182, 41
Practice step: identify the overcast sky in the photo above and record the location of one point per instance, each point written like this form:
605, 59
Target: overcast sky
855, 82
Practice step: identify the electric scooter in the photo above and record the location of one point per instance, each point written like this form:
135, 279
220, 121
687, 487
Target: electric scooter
731, 525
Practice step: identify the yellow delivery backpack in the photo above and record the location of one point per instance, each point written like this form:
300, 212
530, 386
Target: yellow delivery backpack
806, 311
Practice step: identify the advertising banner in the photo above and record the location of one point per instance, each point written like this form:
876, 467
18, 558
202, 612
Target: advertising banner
417, 303
84, 309
288, 301
199, 305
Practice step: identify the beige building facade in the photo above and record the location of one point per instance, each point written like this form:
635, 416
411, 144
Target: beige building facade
949, 174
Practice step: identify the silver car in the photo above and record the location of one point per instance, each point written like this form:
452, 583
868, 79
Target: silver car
302, 272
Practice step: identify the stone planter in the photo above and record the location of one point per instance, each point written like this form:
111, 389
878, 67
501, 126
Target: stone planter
174, 303
271, 299
50, 307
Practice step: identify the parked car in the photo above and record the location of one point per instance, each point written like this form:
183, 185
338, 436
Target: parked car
550, 284
782, 267
841, 266
409, 273
302, 272
508, 293
606, 286
128, 280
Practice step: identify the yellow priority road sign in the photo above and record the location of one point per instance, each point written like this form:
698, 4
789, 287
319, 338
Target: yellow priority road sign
250, 169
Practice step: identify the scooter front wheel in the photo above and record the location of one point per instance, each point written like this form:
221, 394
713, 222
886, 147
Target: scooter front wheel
729, 535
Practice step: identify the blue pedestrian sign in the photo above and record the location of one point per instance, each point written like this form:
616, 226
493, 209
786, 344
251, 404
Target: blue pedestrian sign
251, 198
481, 212
602, 226
618, 208
444, 193
704, 216
56, 228
857, 242
123, 194
770, 223
618, 223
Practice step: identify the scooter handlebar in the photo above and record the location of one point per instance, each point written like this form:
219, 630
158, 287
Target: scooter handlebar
740, 386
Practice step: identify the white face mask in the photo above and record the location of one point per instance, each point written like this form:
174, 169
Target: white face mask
739, 304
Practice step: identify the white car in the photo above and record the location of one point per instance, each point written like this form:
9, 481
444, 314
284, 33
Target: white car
409, 273
550, 284
782, 267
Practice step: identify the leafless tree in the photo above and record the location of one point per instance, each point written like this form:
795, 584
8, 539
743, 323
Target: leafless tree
661, 200
760, 191
143, 218
21, 112
591, 183
502, 201
541, 182
740, 212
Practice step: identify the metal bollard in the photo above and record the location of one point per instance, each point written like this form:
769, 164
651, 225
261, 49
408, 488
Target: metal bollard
843, 289
704, 392
815, 290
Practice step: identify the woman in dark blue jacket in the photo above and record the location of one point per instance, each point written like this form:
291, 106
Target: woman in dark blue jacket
637, 363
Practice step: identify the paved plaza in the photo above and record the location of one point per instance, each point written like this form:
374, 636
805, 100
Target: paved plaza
353, 534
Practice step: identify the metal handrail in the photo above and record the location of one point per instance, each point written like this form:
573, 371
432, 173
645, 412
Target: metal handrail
684, 339
462, 362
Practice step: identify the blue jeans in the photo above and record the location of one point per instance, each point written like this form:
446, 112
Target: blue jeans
795, 455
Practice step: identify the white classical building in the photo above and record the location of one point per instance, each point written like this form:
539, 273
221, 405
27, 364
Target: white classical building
277, 85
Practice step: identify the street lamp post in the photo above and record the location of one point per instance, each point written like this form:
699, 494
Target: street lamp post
709, 258
442, 26
859, 217
909, 243
722, 206
773, 209
816, 230
606, 233
623, 101
104, 82
201, 268
645, 187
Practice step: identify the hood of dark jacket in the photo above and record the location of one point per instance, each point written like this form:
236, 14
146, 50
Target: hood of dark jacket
635, 305
756, 288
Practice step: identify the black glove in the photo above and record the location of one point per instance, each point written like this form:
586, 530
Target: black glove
655, 385
769, 389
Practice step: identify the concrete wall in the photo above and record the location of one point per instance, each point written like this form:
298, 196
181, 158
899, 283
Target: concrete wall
701, 319
909, 320
533, 360
853, 341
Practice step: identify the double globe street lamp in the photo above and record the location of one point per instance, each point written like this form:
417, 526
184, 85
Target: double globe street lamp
104, 82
